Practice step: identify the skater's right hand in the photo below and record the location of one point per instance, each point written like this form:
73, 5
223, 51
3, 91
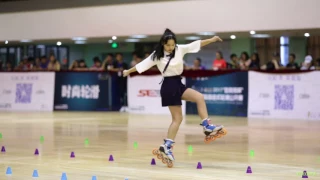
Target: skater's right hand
125, 73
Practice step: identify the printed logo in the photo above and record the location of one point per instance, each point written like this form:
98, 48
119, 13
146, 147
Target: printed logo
83, 91
149, 93
23, 93
284, 97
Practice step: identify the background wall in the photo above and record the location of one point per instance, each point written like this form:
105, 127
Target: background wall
196, 16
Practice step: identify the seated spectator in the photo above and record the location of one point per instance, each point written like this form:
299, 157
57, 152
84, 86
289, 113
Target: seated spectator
82, 66
44, 63
308, 63
273, 64
9, 66
20, 66
137, 59
97, 64
197, 65
292, 64
26, 64
219, 62
244, 57
53, 65
253, 62
74, 65
234, 62
36, 66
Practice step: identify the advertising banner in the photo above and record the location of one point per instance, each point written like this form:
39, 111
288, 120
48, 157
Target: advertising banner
284, 96
144, 95
27, 91
82, 91
225, 95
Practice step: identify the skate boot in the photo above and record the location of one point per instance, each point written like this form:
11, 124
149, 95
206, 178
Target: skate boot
211, 131
165, 152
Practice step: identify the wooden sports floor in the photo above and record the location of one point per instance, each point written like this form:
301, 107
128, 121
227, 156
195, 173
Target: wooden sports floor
274, 149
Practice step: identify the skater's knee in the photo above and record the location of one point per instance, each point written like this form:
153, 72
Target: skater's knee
200, 98
177, 119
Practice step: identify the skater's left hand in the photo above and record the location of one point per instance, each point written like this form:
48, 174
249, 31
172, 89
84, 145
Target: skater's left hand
216, 39
125, 73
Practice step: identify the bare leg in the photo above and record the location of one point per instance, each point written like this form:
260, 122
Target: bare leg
196, 97
176, 114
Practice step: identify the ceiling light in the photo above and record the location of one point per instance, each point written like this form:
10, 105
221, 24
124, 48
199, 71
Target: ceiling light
192, 38
232, 36
25, 40
260, 35
6, 42
114, 37
138, 36
79, 42
306, 34
252, 32
79, 38
59, 43
132, 40
206, 33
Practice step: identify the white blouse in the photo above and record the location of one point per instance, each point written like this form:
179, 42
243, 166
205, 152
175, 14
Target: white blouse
175, 67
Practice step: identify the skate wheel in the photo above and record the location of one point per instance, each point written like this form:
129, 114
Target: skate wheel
159, 156
218, 136
155, 152
170, 164
164, 161
224, 131
207, 140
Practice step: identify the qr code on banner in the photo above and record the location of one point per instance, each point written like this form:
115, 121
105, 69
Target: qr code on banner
23, 93
284, 97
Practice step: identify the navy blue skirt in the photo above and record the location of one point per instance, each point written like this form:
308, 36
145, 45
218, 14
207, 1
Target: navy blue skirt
171, 91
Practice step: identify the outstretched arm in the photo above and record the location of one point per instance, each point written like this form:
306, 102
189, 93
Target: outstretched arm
211, 40
141, 67
129, 71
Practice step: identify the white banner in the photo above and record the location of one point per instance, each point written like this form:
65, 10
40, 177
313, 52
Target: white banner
144, 95
284, 96
27, 91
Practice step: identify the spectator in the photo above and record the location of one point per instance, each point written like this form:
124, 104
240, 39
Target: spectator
82, 65
308, 63
97, 64
74, 66
292, 64
197, 65
136, 59
108, 63
53, 65
254, 62
219, 62
234, 62
120, 66
244, 57
26, 64
273, 64
9, 66
44, 63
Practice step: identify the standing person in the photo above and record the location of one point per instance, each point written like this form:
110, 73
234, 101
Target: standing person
168, 56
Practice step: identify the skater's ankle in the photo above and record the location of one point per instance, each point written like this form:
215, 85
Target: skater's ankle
205, 122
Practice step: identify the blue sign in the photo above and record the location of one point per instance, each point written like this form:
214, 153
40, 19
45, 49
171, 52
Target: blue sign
225, 95
82, 91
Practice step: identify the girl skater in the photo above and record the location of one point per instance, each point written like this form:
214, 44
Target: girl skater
168, 56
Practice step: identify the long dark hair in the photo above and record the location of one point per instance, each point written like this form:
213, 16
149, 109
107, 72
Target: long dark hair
159, 50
